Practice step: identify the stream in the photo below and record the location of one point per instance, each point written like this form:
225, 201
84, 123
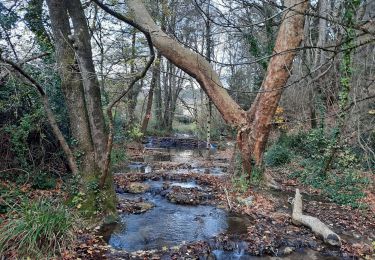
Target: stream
168, 224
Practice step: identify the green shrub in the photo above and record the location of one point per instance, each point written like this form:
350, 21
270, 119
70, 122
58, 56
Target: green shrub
43, 181
240, 180
256, 175
241, 183
10, 197
41, 229
135, 133
118, 155
278, 155
342, 184
344, 187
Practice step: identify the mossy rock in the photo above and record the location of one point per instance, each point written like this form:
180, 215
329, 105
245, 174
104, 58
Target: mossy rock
137, 187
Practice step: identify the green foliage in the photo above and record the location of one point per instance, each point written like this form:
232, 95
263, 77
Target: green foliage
135, 133
240, 180
43, 180
345, 188
343, 184
118, 155
188, 128
241, 183
256, 175
20, 133
41, 229
153, 130
10, 197
277, 155
7, 18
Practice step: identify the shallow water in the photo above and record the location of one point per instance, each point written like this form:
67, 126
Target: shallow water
175, 155
168, 224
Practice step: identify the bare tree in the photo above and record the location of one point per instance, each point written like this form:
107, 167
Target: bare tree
253, 125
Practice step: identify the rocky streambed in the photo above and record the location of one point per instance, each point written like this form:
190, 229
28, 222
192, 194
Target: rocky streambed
174, 205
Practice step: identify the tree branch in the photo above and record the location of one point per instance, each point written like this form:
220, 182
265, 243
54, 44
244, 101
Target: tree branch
131, 84
50, 116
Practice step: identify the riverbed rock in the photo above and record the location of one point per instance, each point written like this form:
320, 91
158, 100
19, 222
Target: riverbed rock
248, 201
119, 190
137, 187
135, 207
144, 206
288, 250
188, 196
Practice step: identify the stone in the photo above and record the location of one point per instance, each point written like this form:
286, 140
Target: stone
245, 201
288, 250
188, 196
135, 207
120, 190
137, 187
144, 206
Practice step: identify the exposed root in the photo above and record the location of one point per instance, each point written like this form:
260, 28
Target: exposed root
313, 223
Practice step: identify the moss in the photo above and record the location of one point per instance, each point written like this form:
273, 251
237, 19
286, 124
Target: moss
94, 202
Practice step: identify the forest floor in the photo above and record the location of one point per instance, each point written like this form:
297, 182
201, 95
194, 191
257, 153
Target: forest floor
262, 227
265, 214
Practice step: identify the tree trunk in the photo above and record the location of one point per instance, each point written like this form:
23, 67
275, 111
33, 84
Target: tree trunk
74, 94
90, 82
254, 125
253, 137
155, 72
158, 99
208, 57
132, 97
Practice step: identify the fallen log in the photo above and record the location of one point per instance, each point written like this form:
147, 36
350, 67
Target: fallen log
317, 226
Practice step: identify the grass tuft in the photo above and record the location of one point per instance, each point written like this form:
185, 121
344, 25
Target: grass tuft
40, 229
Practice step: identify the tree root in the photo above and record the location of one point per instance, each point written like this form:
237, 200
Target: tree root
313, 223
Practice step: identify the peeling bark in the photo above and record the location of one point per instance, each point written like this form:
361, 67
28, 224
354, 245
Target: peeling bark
253, 125
263, 109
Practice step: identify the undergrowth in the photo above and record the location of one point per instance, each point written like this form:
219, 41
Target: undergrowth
343, 183
240, 180
40, 229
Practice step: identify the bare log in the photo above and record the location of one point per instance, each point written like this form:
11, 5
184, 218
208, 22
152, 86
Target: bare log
317, 226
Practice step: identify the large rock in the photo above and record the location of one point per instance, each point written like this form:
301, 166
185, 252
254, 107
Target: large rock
188, 196
137, 187
135, 207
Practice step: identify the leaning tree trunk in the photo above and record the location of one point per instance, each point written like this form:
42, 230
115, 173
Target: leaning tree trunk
254, 125
253, 137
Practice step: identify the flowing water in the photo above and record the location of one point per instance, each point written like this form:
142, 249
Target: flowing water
168, 224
